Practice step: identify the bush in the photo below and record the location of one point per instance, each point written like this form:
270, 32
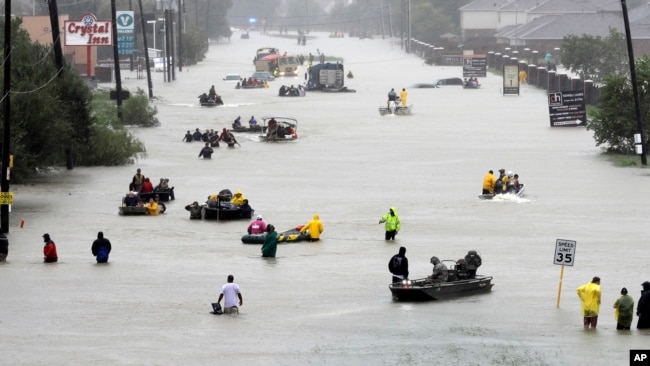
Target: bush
136, 111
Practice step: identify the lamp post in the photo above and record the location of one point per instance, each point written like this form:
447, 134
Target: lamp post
153, 22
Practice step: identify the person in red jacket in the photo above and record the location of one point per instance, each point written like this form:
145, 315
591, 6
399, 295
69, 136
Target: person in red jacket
49, 250
147, 186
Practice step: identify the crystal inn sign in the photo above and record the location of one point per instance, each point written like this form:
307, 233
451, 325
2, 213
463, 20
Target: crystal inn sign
88, 31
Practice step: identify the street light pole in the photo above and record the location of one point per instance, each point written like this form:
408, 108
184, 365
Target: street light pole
153, 22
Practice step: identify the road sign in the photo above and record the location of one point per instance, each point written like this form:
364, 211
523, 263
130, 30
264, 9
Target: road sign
565, 252
6, 198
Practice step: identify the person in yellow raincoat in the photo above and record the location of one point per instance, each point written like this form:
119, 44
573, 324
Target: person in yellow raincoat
152, 207
393, 223
314, 227
402, 97
238, 198
590, 298
488, 183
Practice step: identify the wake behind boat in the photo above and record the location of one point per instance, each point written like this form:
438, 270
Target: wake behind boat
395, 108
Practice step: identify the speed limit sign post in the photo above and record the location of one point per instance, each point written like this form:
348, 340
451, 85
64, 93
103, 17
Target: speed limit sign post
565, 255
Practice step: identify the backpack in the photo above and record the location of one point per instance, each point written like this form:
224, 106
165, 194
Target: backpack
394, 264
102, 254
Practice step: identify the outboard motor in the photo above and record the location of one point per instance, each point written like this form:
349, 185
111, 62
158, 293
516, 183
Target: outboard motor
225, 195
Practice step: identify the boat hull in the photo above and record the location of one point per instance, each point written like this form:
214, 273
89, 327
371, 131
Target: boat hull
422, 290
224, 213
399, 111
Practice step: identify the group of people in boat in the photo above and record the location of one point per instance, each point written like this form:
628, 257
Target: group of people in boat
224, 199
507, 182
291, 91
142, 186
211, 138
276, 130
252, 123
395, 99
252, 82
463, 268
211, 97
471, 82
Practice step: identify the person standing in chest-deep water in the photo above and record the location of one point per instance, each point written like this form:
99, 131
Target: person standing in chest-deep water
393, 223
624, 306
101, 248
643, 307
206, 151
399, 266
270, 242
590, 298
49, 250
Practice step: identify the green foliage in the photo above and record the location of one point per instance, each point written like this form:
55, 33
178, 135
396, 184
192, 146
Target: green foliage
614, 123
595, 57
51, 114
195, 46
137, 111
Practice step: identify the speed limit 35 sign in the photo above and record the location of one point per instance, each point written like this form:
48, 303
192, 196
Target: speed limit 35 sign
565, 252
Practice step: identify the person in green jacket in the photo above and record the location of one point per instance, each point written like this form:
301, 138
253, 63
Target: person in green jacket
393, 223
624, 306
270, 242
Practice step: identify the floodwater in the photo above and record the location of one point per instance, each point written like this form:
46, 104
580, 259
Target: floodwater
328, 302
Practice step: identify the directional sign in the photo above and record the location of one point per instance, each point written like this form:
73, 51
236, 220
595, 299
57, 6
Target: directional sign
567, 108
565, 252
6, 198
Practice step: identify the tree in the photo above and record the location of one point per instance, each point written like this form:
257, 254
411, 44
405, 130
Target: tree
595, 57
52, 115
614, 123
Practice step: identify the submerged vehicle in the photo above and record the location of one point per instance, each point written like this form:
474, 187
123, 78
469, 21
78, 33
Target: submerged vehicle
288, 236
327, 77
462, 280
395, 107
279, 129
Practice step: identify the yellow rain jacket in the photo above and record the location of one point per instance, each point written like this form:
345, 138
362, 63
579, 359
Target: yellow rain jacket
392, 221
488, 182
590, 297
315, 227
152, 208
238, 198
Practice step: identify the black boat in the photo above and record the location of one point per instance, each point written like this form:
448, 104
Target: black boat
461, 280
519, 193
222, 209
206, 101
423, 289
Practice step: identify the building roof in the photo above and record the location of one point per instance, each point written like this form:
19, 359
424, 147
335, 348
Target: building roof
556, 27
485, 5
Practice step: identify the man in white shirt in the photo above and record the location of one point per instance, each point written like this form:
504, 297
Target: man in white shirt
231, 292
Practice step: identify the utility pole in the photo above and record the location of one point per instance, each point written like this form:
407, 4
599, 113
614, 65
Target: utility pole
635, 89
56, 36
116, 57
146, 49
6, 141
181, 11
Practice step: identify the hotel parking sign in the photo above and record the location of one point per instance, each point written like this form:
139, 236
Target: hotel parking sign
565, 252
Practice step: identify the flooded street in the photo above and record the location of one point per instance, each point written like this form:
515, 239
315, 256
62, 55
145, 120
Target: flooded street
329, 302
